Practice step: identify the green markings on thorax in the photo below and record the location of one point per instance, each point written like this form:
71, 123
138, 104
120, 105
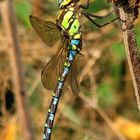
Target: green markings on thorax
74, 27
68, 19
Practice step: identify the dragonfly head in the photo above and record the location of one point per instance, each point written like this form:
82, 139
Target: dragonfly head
63, 3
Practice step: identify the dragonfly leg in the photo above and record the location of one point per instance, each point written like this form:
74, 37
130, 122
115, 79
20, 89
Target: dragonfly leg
100, 17
98, 25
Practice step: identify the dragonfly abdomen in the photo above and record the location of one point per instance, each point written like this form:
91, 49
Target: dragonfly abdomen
73, 49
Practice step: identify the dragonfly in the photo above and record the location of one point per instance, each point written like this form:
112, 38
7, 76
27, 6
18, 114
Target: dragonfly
66, 64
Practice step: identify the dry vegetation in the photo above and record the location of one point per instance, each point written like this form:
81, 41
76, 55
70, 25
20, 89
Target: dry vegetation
106, 107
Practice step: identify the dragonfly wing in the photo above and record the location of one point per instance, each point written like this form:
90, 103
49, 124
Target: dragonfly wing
53, 68
47, 30
73, 76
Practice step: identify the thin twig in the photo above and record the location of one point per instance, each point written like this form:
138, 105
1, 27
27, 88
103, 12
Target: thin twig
89, 102
34, 85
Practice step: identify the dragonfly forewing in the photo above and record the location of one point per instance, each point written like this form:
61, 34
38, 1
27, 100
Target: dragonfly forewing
47, 30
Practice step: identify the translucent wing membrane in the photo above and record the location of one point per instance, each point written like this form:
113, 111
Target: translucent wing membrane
47, 30
73, 76
54, 68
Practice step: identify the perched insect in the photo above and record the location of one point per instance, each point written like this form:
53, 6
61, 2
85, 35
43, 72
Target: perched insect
65, 65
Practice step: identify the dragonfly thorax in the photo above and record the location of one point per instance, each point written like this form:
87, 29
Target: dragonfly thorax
68, 20
64, 3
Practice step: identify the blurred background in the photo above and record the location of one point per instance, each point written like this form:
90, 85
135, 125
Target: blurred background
106, 107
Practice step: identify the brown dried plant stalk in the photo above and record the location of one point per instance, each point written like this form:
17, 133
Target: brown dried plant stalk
9, 21
129, 37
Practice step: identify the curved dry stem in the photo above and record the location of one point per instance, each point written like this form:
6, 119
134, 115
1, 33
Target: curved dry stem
130, 43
